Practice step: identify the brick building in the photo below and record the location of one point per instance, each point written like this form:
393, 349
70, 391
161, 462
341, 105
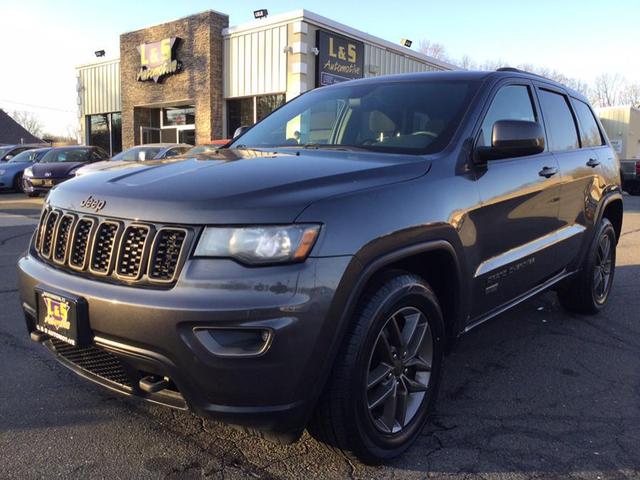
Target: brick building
196, 79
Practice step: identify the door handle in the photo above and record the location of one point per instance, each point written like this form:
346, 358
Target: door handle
593, 163
548, 172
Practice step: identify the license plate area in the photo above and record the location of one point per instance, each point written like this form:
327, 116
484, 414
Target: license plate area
63, 316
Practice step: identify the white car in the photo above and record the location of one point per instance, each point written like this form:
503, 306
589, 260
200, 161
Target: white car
154, 151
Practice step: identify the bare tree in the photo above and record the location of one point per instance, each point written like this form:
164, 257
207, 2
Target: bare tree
433, 49
607, 90
29, 121
630, 95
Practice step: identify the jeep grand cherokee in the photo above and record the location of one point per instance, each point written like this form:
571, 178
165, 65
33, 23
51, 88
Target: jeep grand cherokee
314, 272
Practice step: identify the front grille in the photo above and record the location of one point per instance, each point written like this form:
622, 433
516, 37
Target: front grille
94, 360
80, 243
166, 254
118, 251
62, 238
103, 244
47, 235
132, 251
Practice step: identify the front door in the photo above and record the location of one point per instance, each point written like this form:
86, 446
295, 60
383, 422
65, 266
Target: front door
518, 215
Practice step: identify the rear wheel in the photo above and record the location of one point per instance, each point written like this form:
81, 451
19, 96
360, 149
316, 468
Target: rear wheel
386, 377
588, 291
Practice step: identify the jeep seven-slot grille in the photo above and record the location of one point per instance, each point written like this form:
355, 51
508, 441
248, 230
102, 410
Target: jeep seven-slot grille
117, 250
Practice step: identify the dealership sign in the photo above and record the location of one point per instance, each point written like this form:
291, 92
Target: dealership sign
157, 60
339, 58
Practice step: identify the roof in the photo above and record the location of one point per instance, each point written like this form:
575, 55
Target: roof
11, 132
319, 20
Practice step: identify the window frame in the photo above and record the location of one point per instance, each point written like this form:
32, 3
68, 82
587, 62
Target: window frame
558, 91
603, 142
537, 111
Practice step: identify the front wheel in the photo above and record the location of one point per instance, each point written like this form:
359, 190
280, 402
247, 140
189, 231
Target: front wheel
385, 379
588, 291
18, 184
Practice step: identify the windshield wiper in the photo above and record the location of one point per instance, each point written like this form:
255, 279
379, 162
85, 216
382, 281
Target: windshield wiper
325, 146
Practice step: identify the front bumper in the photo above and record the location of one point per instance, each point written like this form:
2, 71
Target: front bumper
41, 185
151, 331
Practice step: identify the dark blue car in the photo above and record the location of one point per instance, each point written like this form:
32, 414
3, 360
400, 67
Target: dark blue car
57, 165
11, 171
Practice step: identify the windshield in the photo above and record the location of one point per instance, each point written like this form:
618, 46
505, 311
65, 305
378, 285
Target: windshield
138, 154
67, 155
415, 117
27, 156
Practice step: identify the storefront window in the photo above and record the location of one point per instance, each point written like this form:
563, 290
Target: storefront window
105, 130
247, 111
174, 116
98, 131
239, 113
116, 133
265, 104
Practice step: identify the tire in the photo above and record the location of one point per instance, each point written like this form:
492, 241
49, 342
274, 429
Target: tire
588, 291
347, 417
17, 183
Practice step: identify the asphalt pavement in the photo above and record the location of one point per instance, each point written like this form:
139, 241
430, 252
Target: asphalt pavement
535, 393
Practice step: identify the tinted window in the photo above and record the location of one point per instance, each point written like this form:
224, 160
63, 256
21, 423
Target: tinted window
589, 131
510, 103
394, 117
561, 128
26, 156
67, 155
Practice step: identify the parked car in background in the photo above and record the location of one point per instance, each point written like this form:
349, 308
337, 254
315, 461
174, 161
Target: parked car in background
155, 151
57, 165
11, 171
7, 152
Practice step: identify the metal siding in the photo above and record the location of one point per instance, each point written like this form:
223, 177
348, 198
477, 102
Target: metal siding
389, 62
100, 88
257, 63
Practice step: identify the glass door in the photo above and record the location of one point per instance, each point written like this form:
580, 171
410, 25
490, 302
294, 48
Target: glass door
149, 135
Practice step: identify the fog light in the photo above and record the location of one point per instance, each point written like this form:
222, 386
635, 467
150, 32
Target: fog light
232, 342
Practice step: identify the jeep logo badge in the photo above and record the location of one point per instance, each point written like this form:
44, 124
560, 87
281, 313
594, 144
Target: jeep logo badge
93, 203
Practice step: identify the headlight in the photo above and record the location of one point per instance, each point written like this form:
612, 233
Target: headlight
28, 172
259, 245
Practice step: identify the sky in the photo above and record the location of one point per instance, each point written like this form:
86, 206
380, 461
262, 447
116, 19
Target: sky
41, 41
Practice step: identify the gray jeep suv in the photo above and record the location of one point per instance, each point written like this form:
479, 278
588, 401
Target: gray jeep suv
313, 273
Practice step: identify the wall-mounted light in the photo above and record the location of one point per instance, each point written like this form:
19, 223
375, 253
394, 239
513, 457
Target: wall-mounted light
287, 49
99, 53
405, 42
262, 13
315, 51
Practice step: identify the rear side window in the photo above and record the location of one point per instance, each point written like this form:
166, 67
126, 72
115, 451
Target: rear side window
589, 131
512, 102
561, 127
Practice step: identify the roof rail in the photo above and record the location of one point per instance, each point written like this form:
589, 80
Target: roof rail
517, 70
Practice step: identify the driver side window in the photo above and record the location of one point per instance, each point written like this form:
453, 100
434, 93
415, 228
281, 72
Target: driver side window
512, 102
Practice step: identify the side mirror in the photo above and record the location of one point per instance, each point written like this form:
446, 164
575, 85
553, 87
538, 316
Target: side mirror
240, 130
8, 157
513, 138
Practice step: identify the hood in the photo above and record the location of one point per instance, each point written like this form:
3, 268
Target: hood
233, 187
103, 165
54, 169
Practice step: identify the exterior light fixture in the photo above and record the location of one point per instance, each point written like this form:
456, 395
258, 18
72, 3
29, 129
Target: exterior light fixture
405, 42
99, 53
262, 13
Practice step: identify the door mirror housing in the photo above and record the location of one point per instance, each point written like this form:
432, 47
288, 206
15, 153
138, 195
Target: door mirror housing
240, 130
512, 138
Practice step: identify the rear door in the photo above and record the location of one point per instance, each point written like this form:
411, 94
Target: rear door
518, 215
578, 163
